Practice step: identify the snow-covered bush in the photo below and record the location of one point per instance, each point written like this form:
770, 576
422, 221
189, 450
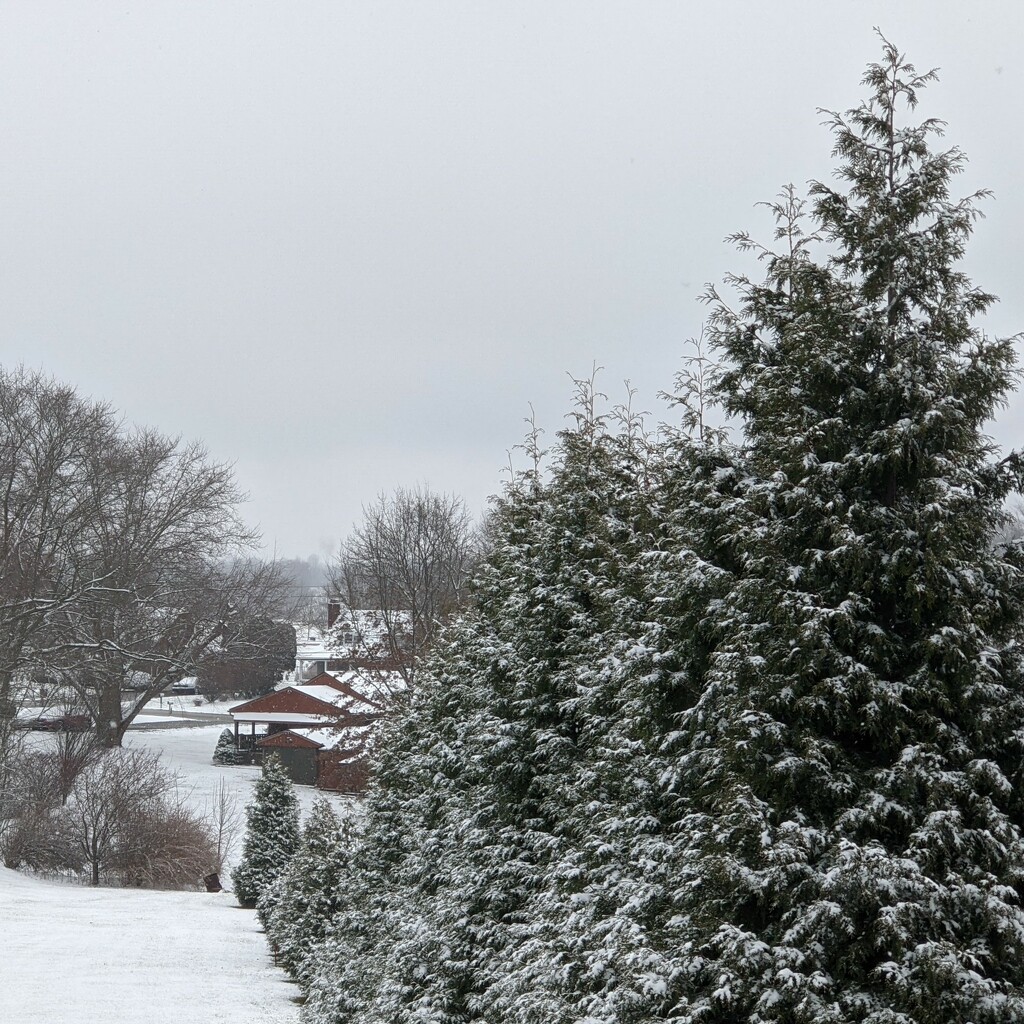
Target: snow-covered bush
166, 845
30, 799
226, 752
271, 836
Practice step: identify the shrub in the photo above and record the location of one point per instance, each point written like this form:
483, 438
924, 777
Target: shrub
226, 752
115, 814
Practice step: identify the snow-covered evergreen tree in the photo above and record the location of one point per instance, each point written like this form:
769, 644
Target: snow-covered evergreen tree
271, 835
733, 733
398, 884
563, 594
479, 837
629, 573
297, 908
226, 752
853, 841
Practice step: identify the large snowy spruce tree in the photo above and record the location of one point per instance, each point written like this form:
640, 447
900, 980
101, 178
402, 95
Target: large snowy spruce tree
853, 843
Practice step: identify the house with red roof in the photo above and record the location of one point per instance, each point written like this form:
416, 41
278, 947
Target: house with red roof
320, 731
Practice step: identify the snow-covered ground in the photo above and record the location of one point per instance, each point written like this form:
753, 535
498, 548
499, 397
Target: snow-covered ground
189, 703
71, 954
77, 955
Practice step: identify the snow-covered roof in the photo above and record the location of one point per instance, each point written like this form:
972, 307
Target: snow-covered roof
311, 644
309, 703
331, 738
374, 685
281, 716
348, 699
327, 694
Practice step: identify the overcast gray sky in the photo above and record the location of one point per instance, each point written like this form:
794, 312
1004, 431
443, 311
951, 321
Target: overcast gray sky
347, 244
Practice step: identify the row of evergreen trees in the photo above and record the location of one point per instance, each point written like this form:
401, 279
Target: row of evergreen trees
734, 730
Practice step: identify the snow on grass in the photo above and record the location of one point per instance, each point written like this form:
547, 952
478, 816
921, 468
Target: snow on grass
76, 955
177, 702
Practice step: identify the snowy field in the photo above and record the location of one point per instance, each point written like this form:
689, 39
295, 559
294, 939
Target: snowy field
76, 955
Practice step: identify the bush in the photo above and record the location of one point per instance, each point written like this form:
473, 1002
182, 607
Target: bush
165, 846
129, 824
41, 781
115, 814
226, 752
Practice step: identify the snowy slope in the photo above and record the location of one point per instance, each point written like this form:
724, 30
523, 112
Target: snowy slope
76, 955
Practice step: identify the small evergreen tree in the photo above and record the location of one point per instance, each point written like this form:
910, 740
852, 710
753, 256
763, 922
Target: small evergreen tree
226, 752
271, 836
297, 908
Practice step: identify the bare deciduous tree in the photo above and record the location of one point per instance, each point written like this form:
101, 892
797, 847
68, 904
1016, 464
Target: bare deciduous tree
127, 821
224, 822
123, 562
53, 480
72, 753
105, 796
408, 563
123, 559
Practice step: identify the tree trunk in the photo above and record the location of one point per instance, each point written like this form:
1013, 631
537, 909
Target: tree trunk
110, 726
111, 734
94, 858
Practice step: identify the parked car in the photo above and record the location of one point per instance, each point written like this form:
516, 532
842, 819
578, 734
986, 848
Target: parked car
61, 723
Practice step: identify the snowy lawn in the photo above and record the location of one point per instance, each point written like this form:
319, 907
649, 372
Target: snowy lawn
188, 703
76, 955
